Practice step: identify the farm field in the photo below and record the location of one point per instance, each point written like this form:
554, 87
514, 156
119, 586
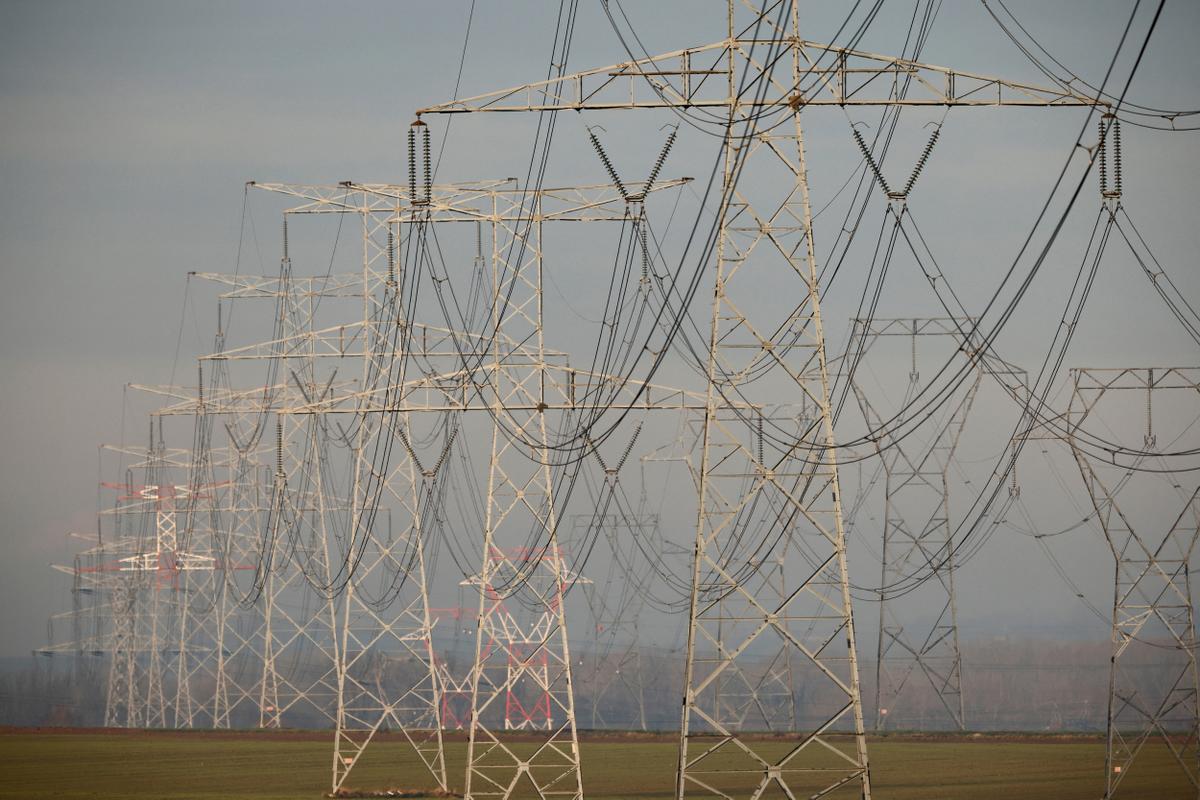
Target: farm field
296, 765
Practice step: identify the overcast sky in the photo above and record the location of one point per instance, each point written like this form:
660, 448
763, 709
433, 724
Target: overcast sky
129, 129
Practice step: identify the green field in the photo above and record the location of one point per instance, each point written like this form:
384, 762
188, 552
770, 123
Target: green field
265, 767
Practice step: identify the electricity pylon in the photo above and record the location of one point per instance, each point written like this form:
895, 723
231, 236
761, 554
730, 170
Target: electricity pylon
276, 661
616, 601
361, 644
769, 492
521, 645
241, 624
144, 599
164, 600
150, 587
616, 604
87, 623
331, 639
513, 378
917, 530
1152, 544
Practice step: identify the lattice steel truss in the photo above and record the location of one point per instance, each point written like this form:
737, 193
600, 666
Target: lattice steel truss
762, 694
616, 603
917, 530
774, 493
385, 403
145, 592
523, 662
515, 383
1152, 544
345, 630
522, 657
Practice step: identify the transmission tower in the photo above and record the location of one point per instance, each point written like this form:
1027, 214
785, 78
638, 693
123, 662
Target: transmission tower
917, 530
773, 494
87, 622
1152, 544
358, 603
144, 594
518, 384
162, 599
616, 604
388, 403
616, 601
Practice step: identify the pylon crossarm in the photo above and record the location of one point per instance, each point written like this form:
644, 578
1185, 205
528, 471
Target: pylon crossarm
500, 201
340, 341
338, 197
232, 402
829, 76
175, 457
353, 339
564, 388
594, 203
273, 286
872, 328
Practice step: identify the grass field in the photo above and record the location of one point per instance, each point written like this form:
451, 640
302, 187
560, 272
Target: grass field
182, 766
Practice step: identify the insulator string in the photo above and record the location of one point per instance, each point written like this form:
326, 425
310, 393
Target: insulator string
662, 157
916, 173
1102, 146
412, 163
866, 152
612, 173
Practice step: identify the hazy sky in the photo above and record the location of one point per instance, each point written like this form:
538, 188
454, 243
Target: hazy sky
129, 128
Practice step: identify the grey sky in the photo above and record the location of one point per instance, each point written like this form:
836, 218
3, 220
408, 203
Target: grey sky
128, 130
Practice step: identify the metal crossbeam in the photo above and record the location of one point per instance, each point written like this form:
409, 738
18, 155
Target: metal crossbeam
495, 202
700, 77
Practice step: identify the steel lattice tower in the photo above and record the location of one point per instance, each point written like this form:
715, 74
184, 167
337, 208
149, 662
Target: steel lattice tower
777, 490
319, 593
1153, 610
917, 531
521, 637
615, 605
529, 379
161, 584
